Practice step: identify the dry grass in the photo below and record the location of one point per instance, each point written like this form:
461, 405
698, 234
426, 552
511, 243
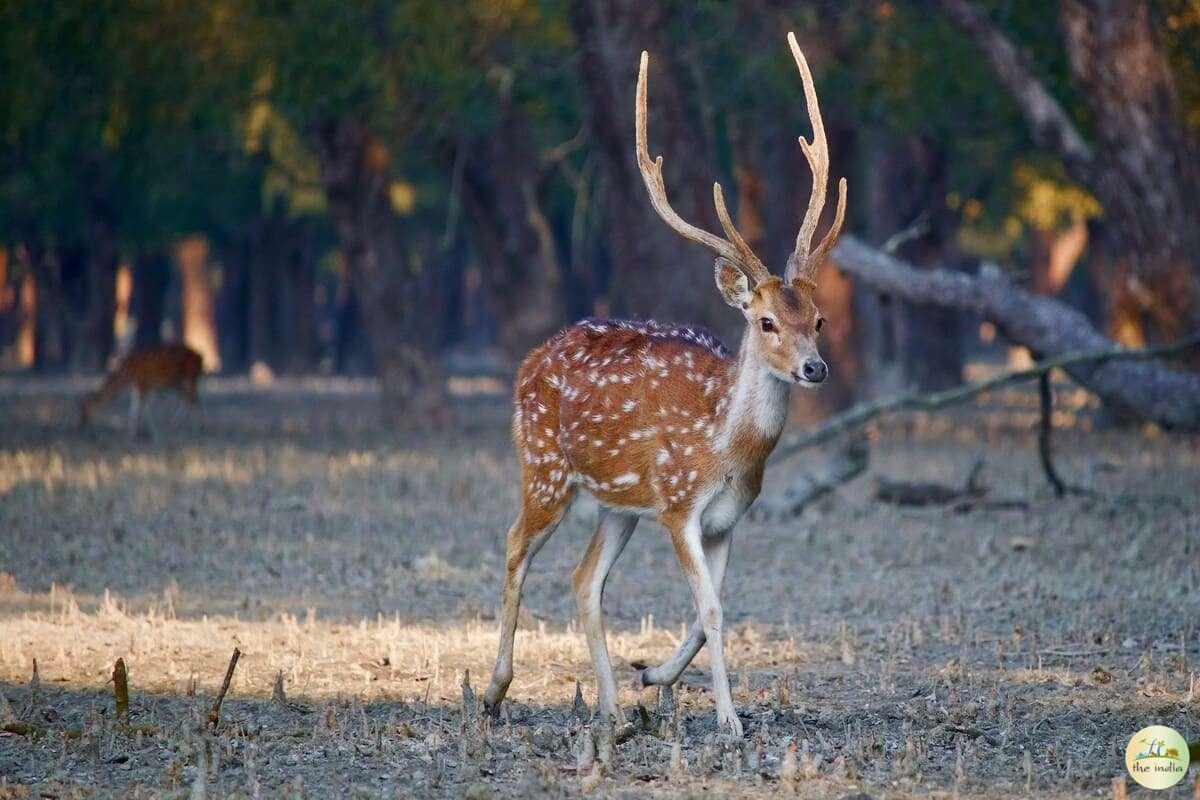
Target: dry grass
908, 653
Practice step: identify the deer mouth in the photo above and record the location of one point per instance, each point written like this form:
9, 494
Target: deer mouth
804, 382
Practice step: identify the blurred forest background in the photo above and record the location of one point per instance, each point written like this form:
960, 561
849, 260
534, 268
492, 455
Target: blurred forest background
418, 189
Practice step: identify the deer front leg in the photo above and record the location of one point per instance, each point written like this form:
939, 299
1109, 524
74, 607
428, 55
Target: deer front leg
612, 534
687, 540
716, 552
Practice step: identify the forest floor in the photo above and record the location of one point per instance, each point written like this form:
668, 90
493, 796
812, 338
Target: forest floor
983, 650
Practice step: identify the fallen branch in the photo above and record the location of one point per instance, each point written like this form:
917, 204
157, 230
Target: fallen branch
19, 728
846, 465
214, 713
861, 414
975, 733
909, 493
1048, 327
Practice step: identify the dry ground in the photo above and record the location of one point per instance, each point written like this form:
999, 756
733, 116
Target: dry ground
363, 565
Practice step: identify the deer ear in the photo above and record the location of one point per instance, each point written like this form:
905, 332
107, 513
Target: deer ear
732, 282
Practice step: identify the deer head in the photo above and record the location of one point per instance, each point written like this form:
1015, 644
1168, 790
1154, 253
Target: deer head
782, 320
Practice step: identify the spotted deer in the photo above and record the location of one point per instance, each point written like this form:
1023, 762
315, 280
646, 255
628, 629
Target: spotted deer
153, 369
661, 421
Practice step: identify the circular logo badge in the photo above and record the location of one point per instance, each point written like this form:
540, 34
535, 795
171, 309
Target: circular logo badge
1157, 757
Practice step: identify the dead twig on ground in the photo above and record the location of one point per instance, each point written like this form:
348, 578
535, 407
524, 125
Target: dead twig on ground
975, 733
983, 504
1100, 651
214, 713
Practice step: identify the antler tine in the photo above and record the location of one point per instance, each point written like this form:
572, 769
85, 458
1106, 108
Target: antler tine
752, 265
831, 236
804, 261
651, 169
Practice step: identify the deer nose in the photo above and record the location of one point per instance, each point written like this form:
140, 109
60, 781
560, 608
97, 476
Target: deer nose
815, 370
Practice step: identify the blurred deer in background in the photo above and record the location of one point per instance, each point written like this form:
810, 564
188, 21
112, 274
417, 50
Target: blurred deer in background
154, 369
660, 421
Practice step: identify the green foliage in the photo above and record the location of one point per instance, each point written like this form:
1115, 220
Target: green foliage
171, 116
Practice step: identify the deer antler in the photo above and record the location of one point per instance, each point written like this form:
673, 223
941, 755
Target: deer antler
803, 263
735, 250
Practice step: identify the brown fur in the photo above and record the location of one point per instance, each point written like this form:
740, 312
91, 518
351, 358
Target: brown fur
153, 369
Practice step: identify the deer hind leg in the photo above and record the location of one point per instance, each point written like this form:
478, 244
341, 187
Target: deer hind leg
687, 539
137, 409
716, 555
188, 389
611, 536
525, 538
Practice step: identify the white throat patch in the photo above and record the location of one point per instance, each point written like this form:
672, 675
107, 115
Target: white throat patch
757, 398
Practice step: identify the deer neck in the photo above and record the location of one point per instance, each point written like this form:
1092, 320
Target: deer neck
756, 407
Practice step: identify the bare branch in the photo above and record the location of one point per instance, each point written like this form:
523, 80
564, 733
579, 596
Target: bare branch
214, 713
863, 413
845, 465
1051, 126
1048, 327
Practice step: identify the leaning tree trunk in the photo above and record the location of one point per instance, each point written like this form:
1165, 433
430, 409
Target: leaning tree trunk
1046, 326
394, 294
1140, 162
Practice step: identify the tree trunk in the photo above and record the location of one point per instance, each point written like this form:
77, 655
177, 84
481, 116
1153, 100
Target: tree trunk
1046, 326
94, 337
151, 277
297, 327
196, 296
396, 294
1147, 175
904, 346
266, 253
351, 351
51, 308
655, 272
1055, 253
233, 305
519, 265
27, 334
1141, 164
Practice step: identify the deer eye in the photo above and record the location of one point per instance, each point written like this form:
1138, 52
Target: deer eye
820, 322
767, 325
